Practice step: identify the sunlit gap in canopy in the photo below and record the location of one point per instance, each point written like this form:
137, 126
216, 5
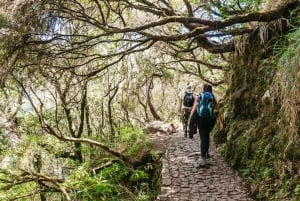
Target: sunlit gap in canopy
245, 5
217, 36
57, 29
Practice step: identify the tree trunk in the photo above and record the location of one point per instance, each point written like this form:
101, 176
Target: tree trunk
110, 116
151, 106
37, 164
78, 152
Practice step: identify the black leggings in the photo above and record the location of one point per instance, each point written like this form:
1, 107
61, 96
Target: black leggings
193, 125
205, 125
185, 117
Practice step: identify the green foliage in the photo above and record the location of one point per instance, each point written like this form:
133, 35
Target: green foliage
263, 143
245, 172
109, 184
266, 172
4, 22
115, 173
131, 134
297, 190
231, 7
142, 196
3, 142
168, 74
16, 190
290, 58
138, 175
288, 79
104, 189
134, 139
90, 187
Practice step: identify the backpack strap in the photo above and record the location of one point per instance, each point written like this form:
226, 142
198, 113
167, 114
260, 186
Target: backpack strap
200, 97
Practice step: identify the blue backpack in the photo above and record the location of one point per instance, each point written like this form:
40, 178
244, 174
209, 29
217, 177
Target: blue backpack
206, 106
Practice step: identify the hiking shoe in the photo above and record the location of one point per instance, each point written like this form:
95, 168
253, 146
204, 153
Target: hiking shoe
201, 162
185, 134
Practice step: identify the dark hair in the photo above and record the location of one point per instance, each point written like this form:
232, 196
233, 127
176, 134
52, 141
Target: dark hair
207, 88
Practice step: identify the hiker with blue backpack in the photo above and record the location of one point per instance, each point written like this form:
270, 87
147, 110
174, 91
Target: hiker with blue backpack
205, 113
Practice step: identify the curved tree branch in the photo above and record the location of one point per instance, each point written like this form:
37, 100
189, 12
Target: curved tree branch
149, 102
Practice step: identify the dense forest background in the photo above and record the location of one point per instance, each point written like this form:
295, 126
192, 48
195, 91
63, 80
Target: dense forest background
80, 80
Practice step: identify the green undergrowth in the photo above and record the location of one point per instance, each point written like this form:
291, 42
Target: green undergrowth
138, 181
116, 181
103, 176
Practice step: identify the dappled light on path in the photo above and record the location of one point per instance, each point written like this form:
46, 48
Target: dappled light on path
182, 181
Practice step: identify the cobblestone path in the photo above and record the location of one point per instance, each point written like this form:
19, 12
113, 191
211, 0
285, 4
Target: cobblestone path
182, 181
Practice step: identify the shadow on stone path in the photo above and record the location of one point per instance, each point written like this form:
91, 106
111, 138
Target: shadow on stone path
182, 181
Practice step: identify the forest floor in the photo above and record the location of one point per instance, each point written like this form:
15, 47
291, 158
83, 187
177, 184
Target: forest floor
182, 181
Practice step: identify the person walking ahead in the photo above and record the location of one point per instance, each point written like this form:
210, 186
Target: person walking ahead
186, 102
207, 113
